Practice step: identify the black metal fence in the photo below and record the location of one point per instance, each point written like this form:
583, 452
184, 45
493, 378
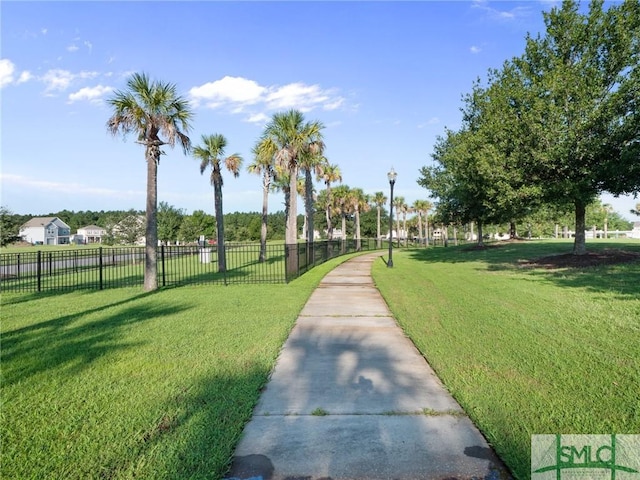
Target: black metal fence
101, 268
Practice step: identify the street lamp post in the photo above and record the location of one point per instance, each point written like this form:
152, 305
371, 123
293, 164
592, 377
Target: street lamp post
392, 180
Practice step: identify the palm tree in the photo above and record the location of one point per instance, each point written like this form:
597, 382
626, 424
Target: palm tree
157, 115
398, 203
210, 154
359, 203
422, 207
264, 154
404, 208
636, 211
294, 139
310, 164
379, 199
329, 174
342, 206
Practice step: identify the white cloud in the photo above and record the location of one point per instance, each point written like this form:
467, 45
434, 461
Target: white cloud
296, 95
431, 121
24, 77
44, 31
63, 187
501, 15
8, 73
73, 48
239, 95
258, 118
58, 79
90, 94
228, 90
7, 69
475, 49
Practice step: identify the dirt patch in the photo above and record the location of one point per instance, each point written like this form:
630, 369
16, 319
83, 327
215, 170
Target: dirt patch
590, 259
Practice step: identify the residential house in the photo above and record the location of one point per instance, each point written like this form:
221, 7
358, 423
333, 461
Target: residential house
45, 231
91, 234
635, 233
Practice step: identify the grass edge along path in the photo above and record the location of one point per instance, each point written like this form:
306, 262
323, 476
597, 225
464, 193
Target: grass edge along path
122, 384
524, 351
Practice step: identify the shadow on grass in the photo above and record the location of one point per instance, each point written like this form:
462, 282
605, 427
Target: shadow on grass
199, 430
621, 279
69, 341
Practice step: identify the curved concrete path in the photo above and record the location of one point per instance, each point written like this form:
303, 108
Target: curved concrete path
351, 398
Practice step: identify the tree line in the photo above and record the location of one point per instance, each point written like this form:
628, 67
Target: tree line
551, 130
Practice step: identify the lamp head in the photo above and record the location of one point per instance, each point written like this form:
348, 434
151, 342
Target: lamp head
392, 176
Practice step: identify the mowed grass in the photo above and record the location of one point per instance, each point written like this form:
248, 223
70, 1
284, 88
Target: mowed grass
121, 384
524, 351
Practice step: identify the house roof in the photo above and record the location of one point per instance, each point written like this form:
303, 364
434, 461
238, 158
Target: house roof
42, 222
91, 227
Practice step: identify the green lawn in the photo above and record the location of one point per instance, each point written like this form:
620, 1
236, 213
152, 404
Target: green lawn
524, 351
122, 384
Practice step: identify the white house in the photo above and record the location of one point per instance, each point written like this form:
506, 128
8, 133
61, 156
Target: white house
635, 233
91, 234
45, 231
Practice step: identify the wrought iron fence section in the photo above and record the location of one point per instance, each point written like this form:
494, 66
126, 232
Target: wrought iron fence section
102, 267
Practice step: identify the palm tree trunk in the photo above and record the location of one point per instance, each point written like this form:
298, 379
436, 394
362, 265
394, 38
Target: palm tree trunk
291, 228
328, 212
378, 241
265, 216
151, 233
426, 229
308, 203
217, 200
344, 232
404, 227
358, 241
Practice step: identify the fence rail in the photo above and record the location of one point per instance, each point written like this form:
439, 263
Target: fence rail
101, 268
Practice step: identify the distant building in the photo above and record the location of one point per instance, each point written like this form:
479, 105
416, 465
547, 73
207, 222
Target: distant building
45, 231
635, 233
91, 234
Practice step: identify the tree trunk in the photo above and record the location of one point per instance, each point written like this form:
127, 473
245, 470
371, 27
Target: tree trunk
480, 239
265, 216
512, 230
151, 232
308, 204
344, 232
328, 214
291, 227
397, 227
378, 239
404, 227
579, 245
420, 227
426, 229
217, 200
358, 241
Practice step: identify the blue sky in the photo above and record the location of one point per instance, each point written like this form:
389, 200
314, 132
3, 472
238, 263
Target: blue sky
385, 78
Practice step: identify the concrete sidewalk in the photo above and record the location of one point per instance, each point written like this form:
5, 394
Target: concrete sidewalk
351, 398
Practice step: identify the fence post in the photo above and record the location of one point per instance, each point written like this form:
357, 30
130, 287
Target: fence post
39, 269
18, 267
100, 264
